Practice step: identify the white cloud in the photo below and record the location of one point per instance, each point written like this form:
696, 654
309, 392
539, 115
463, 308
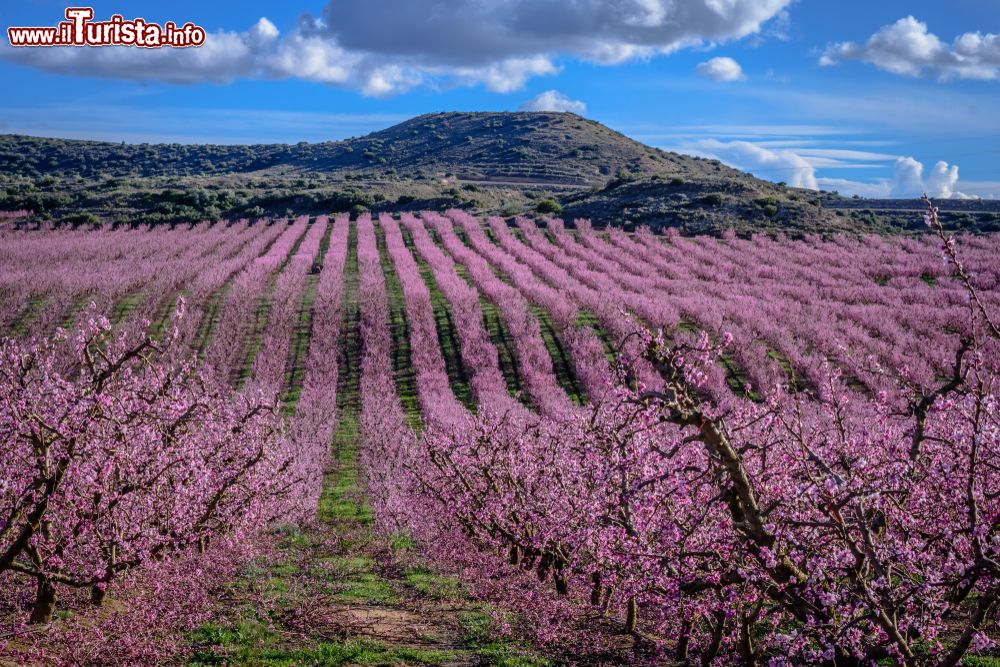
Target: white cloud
311, 58
778, 28
799, 166
942, 181
507, 75
907, 177
476, 32
908, 181
553, 100
409, 43
721, 69
908, 48
774, 165
981, 189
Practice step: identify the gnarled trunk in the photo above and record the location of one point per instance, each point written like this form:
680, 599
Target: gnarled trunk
45, 602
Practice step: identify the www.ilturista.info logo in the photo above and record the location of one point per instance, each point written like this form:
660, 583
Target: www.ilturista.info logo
80, 30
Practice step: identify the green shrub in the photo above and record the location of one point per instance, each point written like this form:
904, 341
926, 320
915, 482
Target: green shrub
85, 218
549, 207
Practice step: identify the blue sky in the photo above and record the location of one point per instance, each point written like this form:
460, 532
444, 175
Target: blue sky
874, 98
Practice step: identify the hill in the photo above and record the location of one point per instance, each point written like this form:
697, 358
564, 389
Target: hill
524, 148
488, 163
521, 147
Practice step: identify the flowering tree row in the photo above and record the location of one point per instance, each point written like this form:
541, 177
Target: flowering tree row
126, 452
603, 292
545, 282
802, 528
478, 352
227, 349
438, 404
284, 304
42, 264
535, 362
210, 281
315, 419
857, 302
389, 449
47, 276
587, 355
306, 459
766, 351
177, 274
126, 457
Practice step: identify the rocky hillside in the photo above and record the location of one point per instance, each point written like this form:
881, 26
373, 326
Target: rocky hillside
524, 148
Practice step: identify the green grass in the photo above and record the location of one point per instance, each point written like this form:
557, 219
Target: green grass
210, 319
349, 578
349, 341
125, 307
562, 366
367, 588
164, 314
349, 563
434, 586
981, 661
254, 338
69, 320
588, 319
737, 378
481, 636
500, 336
341, 500
351, 652
22, 323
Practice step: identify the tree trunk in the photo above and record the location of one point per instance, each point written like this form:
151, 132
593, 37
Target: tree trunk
631, 615
684, 642
45, 602
747, 651
595, 592
717, 634
544, 563
606, 603
559, 577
